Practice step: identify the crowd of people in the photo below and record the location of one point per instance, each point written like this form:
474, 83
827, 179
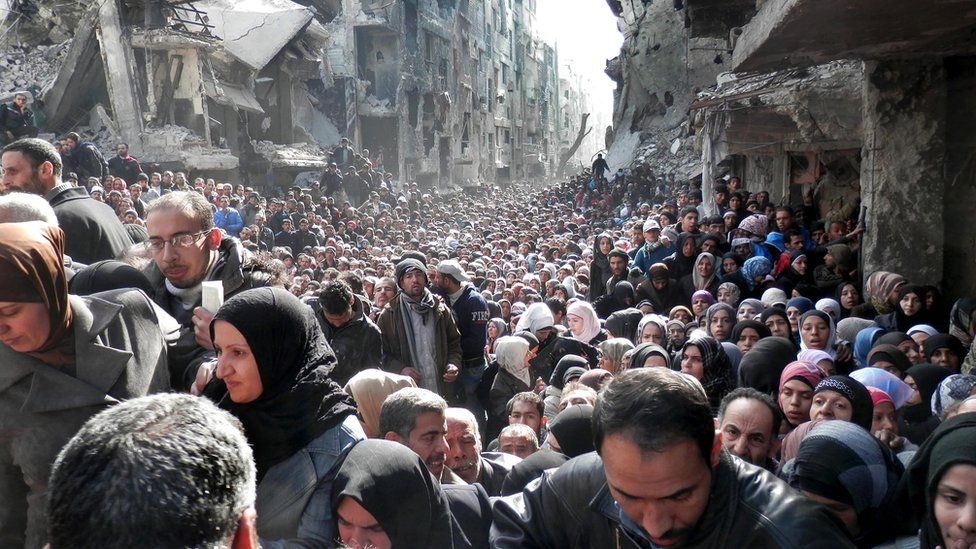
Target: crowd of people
601, 362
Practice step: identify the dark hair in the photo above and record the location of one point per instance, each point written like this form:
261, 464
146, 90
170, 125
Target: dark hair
336, 297
790, 233
72, 136
750, 393
37, 152
687, 210
166, 470
354, 281
526, 396
786, 209
556, 305
654, 408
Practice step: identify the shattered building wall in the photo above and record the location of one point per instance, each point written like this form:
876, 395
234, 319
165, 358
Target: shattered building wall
665, 60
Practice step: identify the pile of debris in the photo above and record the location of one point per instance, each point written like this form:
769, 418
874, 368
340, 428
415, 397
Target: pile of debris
296, 155
35, 67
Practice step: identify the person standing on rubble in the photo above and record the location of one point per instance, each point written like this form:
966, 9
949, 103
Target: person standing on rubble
16, 120
343, 155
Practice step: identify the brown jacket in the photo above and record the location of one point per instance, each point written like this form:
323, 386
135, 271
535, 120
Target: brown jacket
396, 349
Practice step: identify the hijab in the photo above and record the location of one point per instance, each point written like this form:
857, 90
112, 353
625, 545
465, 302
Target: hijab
814, 356
530, 469
863, 344
802, 304
848, 328
741, 325
830, 307
844, 313
659, 321
573, 428
704, 295
927, 378
591, 322
845, 463
952, 390
299, 401
717, 376
943, 341
644, 351
898, 390
712, 311
701, 283
962, 320
109, 275
952, 442
763, 365
832, 330
624, 323
755, 304
792, 441
879, 286
773, 296
564, 364
889, 353
537, 316
755, 267
734, 292
369, 388
32, 271
510, 354
391, 482
855, 393
803, 371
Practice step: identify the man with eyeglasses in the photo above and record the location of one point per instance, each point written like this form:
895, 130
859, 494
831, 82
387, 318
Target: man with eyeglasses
188, 249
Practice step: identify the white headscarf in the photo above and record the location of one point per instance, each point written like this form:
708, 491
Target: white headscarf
510, 354
536, 317
591, 322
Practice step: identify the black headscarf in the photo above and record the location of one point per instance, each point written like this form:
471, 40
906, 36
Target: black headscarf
718, 378
762, 365
644, 351
300, 401
624, 323
530, 469
759, 327
573, 428
565, 363
954, 441
855, 392
108, 275
393, 484
939, 341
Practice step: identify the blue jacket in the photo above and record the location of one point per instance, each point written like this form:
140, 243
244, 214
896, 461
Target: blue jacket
231, 222
294, 502
644, 260
471, 316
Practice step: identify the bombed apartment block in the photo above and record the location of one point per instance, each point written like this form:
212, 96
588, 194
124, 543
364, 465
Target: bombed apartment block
447, 93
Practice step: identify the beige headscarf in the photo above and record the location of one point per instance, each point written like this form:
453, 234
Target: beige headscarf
369, 389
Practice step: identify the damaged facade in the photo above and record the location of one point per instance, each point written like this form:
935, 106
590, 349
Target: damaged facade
873, 125
442, 92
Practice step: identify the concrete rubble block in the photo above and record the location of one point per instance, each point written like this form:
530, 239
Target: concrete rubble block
254, 31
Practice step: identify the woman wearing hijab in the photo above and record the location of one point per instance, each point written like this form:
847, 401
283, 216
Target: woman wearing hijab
944, 350
890, 359
747, 333
496, 329
904, 343
702, 277
513, 377
817, 332
650, 355
383, 497
908, 311
820, 358
795, 308
762, 366
704, 359
682, 261
571, 432
719, 320
755, 272
611, 353
848, 296
843, 467
728, 293
621, 298
881, 291
557, 382
844, 398
829, 306
369, 388
799, 274
939, 484
917, 421
778, 323
962, 321
64, 358
651, 329
749, 309
584, 324
796, 385
700, 302
276, 363
660, 289
600, 266
950, 394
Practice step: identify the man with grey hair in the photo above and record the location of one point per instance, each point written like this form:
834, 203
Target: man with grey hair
518, 440
22, 207
186, 250
464, 456
415, 418
166, 470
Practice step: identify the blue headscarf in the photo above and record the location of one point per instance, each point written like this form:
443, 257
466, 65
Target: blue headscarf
754, 267
863, 343
802, 304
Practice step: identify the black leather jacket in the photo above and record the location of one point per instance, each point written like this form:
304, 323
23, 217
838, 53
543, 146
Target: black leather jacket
749, 507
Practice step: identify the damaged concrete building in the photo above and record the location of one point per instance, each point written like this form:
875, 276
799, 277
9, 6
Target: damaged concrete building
866, 107
442, 92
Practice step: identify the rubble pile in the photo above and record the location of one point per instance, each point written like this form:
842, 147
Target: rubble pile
295, 155
22, 67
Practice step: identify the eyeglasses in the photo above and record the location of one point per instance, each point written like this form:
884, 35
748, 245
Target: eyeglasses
179, 241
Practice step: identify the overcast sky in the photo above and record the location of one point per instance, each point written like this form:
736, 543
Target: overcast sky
585, 31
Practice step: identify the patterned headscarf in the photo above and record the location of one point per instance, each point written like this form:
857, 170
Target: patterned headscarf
855, 393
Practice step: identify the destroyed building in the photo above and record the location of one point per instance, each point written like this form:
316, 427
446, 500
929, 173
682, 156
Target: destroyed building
442, 92
873, 124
